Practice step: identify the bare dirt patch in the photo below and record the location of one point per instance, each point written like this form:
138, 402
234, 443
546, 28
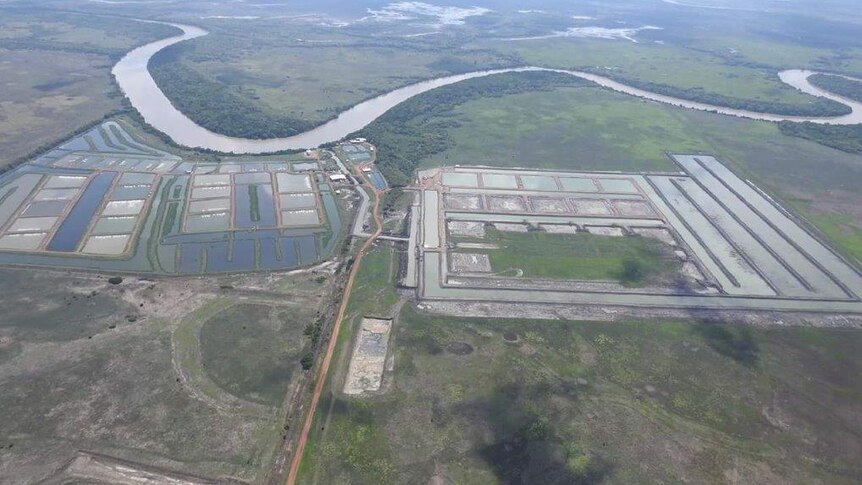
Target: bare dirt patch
466, 228
605, 231
560, 228
633, 208
502, 226
591, 207
470, 263
658, 233
549, 205
462, 202
365, 373
507, 203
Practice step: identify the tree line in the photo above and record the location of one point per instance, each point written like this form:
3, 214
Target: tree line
418, 127
847, 138
839, 85
819, 107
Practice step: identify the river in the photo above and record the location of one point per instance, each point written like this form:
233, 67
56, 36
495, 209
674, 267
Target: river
144, 94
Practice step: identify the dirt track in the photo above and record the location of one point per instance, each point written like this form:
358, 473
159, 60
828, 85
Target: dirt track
333, 339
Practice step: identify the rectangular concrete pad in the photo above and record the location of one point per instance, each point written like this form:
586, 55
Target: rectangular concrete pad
623, 186
32, 224
43, 208
114, 225
298, 200
454, 179
499, 181
56, 194
301, 217
538, 182
578, 184
133, 178
209, 205
208, 222
22, 242
211, 192
291, 182
65, 181
106, 245
252, 178
210, 180
123, 208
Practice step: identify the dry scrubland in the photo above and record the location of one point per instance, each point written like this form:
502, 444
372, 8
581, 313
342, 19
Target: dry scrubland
185, 374
55, 72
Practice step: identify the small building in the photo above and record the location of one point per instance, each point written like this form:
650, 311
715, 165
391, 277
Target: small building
338, 177
358, 140
366, 169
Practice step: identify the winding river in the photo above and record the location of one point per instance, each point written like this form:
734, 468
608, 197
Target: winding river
142, 91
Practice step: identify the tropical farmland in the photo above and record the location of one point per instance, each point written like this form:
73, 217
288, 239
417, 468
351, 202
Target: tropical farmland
321, 242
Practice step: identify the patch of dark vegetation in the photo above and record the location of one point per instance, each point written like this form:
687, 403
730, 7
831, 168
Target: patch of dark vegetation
632, 272
460, 348
510, 336
51, 86
819, 107
738, 343
307, 360
839, 85
847, 138
418, 127
528, 448
115, 280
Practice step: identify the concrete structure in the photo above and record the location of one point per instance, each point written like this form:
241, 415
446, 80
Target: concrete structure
741, 249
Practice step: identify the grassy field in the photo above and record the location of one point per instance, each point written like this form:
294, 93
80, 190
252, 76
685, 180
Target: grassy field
513, 401
593, 129
47, 95
571, 128
663, 64
581, 256
55, 71
253, 350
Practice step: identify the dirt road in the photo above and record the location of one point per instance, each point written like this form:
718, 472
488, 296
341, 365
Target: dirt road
333, 339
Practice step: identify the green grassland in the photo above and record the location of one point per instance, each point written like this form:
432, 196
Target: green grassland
693, 74
253, 350
582, 256
593, 129
567, 128
515, 401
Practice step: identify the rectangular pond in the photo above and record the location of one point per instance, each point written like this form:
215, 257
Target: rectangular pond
255, 206
73, 227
